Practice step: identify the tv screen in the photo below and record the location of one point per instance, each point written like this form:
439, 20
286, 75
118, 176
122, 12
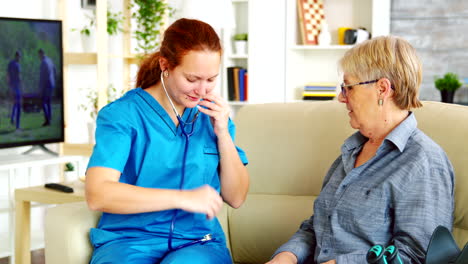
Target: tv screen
31, 85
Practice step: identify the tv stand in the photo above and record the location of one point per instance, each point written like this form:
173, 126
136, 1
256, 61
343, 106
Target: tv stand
41, 147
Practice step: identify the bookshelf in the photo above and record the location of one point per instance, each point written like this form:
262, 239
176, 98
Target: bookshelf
278, 64
265, 24
319, 63
101, 59
231, 58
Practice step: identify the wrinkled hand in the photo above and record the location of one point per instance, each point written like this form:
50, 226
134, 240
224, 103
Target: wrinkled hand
205, 200
284, 258
218, 110
330, 262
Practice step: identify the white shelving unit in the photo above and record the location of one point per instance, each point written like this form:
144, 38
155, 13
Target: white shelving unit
278, 64
230, 58
265, 25
308, 63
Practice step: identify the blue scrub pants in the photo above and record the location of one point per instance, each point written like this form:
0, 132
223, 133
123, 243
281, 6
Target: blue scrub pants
153, 250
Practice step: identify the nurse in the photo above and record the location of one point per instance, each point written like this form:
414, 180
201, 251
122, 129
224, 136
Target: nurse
160, 178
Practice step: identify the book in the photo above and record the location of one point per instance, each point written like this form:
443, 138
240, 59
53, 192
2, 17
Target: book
241, 84
246, 84
318, 93
319, 88
321, 98
230, 83
325, 84
236, 84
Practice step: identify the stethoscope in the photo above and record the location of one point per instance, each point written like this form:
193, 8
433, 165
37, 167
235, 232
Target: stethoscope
187, 135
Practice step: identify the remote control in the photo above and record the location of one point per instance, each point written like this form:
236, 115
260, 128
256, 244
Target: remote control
59, 187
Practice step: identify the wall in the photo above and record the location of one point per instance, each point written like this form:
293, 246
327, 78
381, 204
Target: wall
438, 30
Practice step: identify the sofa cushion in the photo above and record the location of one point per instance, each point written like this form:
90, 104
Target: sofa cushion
67, 233
265, 222
291, 146
447, 124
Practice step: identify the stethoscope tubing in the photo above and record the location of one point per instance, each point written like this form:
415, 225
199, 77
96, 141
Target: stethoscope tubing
184, 159
187, 136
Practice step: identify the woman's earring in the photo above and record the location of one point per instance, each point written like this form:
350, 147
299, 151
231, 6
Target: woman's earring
380, 101
166, 73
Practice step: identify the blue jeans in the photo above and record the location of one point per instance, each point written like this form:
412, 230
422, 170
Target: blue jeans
154, 250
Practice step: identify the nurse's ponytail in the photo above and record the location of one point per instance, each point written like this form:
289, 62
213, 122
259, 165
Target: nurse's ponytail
182, 36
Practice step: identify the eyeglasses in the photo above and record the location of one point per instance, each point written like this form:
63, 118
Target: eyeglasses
344, 91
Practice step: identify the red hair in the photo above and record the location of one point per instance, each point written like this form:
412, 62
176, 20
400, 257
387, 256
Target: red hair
182, 36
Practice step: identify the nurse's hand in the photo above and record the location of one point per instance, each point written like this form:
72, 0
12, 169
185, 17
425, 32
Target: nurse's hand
284, 257
205, 200
218, 110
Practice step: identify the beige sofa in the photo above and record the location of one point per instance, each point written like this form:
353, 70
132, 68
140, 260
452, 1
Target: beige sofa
290, 147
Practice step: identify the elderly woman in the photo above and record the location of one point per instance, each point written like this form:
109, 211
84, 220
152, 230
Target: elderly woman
391, 185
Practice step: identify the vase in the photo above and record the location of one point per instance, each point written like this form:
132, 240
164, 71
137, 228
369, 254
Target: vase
447, 96
324, 38
69, 176
91, 131
240, 47
88, 42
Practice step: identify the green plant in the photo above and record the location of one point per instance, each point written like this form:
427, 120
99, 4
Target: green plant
241, 36
149, 15
86, 29
449, 82
69, 166
91, 103
114, 23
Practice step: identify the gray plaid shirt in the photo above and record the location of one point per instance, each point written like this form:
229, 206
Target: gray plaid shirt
399, 196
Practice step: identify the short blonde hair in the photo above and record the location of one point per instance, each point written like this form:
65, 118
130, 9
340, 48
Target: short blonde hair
387, 57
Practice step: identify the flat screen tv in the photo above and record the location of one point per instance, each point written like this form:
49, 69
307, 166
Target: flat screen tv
31, 82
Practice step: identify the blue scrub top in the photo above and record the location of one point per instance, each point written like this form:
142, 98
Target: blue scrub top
136, 136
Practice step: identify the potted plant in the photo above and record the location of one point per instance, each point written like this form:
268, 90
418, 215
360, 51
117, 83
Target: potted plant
149, 16
88, 40
114, 26
69, 172
91, 107
447, 86
240, 43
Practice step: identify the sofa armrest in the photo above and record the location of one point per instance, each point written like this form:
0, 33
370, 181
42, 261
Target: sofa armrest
67, 233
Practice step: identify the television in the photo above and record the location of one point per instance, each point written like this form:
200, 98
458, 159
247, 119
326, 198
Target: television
31, 82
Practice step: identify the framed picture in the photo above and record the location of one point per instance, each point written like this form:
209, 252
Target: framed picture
311, 15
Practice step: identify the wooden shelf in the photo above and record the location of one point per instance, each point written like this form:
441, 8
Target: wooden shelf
77, 149
79, 58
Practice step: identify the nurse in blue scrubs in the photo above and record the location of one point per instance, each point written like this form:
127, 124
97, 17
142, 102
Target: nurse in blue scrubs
165, 161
